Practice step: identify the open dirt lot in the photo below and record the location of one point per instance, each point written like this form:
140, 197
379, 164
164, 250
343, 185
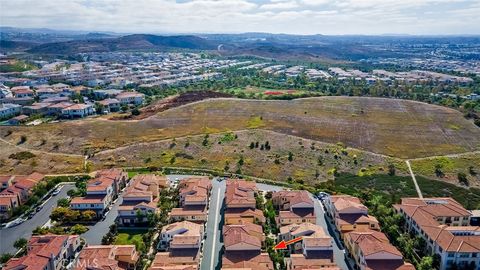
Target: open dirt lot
48, 163
397, 128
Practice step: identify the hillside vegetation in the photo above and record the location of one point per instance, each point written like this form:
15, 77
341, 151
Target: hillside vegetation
396, 128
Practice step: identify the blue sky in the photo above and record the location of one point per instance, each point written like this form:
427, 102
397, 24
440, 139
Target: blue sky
434, 17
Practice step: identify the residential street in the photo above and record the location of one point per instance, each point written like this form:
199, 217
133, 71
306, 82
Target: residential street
95, 233
338, 251
10, 235
213, 244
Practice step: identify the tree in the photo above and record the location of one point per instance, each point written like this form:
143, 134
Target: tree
88, 215
5, 257
135, 111
20, 243
267, 145
63, 202
391, 169
472, 171
252, 145
124, 108
64, 214
240, 161
462, 178
290, 156
78, 229
426, 263
438, 170
99, 108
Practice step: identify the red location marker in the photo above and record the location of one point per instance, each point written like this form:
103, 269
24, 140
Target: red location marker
283, 244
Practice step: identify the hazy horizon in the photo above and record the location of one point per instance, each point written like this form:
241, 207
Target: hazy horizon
301, 17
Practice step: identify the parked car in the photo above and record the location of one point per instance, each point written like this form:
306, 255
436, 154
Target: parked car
322, 195
56, 191
16, 222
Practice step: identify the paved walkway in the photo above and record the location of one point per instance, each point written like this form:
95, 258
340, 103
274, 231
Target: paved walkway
419, 192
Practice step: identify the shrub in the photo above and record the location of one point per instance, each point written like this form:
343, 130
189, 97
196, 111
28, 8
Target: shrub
24, 155
135, 112
78, 229
63, 202
23, 139
462, 178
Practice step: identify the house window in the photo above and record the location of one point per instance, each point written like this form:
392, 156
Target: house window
456, 218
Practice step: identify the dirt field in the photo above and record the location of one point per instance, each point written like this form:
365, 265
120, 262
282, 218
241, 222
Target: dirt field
311, 161
174, 101
397, 128
39, 162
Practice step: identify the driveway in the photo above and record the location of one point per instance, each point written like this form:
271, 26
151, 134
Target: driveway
213, 244
8, 236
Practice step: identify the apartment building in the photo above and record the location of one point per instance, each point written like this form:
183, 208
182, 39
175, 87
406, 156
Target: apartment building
372, 250
16, 189
313, 238
241, 204
78, 111
101, 191
294, 207
302, 262
240, 194
46, 252
140, 199
181, 234
444, 225
112, 257
8, 110
243, 237
194, 194
349, 214
130, 98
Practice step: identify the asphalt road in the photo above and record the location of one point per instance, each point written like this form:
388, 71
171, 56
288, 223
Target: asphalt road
213, 243
96, 232
338, 252
8, 236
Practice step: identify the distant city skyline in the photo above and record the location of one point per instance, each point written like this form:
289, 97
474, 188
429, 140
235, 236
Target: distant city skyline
329, 17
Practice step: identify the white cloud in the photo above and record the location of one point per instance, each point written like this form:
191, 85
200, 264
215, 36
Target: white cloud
287, 16
280, 5
315, 2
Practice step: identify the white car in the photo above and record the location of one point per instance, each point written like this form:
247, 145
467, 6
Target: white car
56, 191
15, 222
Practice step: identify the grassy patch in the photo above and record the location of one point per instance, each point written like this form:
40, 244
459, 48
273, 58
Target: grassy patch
255, 122
17, 66
131, 237
24, 155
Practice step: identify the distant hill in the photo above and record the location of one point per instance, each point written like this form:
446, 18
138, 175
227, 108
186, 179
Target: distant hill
8, 45
130, 42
